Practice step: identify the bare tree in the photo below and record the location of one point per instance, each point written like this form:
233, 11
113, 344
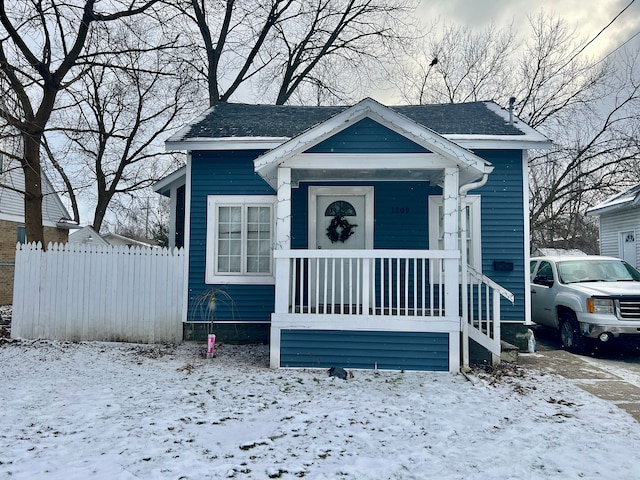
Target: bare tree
117, 117
43, 48
278, 47
456, 64
587, 106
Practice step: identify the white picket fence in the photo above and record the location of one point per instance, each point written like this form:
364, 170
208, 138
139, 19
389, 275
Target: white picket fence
81, 292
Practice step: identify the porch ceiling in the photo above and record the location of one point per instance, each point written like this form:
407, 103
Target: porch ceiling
374, 167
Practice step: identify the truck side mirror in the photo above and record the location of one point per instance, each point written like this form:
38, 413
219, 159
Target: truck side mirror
543, 280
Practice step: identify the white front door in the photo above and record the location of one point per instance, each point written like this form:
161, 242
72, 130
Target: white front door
340, 218
628, 243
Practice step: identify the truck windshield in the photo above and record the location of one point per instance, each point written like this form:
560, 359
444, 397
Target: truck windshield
573, 271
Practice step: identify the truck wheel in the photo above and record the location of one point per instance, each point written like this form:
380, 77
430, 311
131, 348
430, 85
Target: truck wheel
570, 334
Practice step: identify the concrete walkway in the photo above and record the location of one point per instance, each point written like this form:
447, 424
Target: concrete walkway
613, 377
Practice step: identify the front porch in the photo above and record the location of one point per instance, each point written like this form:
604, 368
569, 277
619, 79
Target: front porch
393, 309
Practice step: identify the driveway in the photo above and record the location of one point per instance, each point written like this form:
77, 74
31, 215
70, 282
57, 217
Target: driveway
612, 375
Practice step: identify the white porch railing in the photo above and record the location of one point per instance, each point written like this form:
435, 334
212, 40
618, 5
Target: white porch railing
481, 318
334, 285
363, 282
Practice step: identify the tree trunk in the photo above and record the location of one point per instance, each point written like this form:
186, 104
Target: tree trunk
33, 189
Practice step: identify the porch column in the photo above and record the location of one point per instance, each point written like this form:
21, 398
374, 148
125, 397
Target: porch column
283, 210
281, 265
451, 266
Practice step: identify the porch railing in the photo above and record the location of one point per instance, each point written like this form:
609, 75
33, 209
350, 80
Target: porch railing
363, 282
481, 318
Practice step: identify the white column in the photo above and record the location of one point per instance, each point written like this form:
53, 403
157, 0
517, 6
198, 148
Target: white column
283, 240
283, 210
281, 265
450, 196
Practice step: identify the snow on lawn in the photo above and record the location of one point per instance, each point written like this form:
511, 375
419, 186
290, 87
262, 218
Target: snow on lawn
123, 411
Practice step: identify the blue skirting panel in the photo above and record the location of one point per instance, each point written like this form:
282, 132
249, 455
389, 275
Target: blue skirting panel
366, 350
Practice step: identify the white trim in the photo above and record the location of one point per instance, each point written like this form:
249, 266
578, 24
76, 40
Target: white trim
468, 141
213, 201
527, 238
226, 143
177, 177
187, 237
367, 323
498, 142
358, 161
449, 325
339, 191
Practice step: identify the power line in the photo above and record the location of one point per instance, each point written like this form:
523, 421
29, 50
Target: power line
617, 48
599, 33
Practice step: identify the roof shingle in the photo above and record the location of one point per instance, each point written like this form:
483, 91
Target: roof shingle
226, 120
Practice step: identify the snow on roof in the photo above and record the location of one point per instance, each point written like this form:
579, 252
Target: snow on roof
628, 199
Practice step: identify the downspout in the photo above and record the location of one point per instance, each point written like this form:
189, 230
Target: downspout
464, 189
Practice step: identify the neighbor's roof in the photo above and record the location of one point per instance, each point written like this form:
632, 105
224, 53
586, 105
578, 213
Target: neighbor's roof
620, 201
282, 122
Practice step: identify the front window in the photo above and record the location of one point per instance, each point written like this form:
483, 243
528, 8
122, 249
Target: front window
240, 239
472, 227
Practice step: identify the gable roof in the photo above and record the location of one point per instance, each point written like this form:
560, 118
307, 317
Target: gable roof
87, 235
628, 199
265, 126
472, 166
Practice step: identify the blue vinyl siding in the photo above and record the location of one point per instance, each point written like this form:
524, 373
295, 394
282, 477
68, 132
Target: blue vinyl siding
400, 211
223, 173
503, 212
362, 349
367, 136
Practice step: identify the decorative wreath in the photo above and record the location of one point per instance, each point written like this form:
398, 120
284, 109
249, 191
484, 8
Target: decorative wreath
340, 229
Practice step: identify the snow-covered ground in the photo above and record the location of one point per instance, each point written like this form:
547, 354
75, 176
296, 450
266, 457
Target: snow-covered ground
123, 411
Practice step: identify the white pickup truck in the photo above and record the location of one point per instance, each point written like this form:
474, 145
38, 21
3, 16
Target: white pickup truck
588, 299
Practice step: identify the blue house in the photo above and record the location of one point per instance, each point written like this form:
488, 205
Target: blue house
363, 236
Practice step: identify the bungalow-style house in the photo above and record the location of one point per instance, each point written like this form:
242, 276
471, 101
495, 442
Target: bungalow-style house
55, 219
363, 236
619, 217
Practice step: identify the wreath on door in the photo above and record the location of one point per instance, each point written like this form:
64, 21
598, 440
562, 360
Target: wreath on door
339, 230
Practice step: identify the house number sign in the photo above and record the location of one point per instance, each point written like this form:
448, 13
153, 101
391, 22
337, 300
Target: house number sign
399, 210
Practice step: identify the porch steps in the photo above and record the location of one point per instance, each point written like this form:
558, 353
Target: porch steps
508, 352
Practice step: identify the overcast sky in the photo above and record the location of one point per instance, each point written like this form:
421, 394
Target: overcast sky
589, 16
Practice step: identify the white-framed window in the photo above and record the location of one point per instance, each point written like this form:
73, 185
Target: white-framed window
473, 241
240, 237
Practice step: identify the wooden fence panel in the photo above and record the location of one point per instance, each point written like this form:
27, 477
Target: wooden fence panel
80, 293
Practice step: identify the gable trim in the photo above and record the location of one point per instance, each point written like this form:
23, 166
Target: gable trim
266, 164
369, 108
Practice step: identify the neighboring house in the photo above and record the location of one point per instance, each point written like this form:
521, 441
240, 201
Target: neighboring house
334, 232
55, 219
88, 236
119, 240
619, 217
